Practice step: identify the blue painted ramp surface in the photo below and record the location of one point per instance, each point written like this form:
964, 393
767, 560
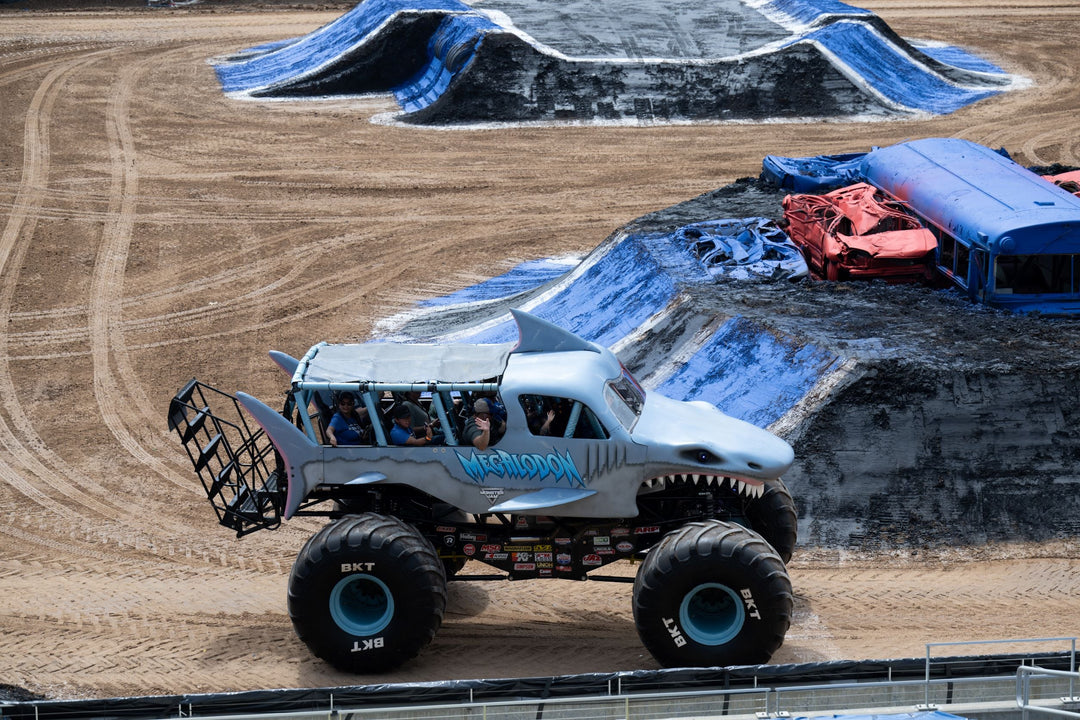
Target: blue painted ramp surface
808, 11
609, 300
749, 373
526, 276
609, 60
290, 62
891, 72
633, 281
450, 50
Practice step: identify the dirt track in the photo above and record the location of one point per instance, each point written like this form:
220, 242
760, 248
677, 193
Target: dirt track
154, 230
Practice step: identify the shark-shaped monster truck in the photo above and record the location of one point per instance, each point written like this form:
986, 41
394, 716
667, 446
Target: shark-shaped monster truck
692, 493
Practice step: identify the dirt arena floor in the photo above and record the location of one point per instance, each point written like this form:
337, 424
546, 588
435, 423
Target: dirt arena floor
152, 230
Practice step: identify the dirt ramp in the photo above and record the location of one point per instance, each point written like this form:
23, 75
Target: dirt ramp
910, 456
451, 62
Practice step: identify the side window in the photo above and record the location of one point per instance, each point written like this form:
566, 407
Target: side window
561, 417
947, 253
963, 257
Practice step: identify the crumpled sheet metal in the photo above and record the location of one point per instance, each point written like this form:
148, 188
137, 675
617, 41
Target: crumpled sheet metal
880, 226
816, 174
1066, 181
743, 249
859, 232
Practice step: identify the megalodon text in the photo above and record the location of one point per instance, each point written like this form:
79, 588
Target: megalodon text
521, 465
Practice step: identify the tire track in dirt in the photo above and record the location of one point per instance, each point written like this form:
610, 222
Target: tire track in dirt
20, 224
118, 389
32, 456
277, 289
165, 324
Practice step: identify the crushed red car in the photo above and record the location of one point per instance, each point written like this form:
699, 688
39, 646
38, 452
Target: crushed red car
1067, 181
858, 232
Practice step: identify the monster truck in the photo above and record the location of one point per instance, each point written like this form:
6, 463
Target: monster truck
691, 493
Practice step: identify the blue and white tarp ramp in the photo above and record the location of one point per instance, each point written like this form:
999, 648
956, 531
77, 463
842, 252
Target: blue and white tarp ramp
447, 62
633, 284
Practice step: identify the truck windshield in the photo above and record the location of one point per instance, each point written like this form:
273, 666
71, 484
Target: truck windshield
625, 398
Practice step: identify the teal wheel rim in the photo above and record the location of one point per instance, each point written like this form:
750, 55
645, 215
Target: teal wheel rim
361, 605
712, 614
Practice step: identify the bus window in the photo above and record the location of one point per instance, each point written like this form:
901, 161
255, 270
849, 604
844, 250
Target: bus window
1035, 274
947, 243
963, 253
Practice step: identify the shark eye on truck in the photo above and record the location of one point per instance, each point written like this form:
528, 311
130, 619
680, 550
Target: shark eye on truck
700, 455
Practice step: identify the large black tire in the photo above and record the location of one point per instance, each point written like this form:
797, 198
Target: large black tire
712, 594
773, 517
366, 593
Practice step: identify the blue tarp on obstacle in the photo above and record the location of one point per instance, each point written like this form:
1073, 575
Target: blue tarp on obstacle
817, 174
419, 50
449, 52
891, 72
956, 57
609, 300
526, 276
749, 373
278, 65
808, 11
741, 367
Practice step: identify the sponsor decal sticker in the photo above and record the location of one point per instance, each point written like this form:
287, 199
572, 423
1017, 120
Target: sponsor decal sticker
357, 567
469, 549
673, 630
601, 540
543, 557
496, 556
751, 606
563, 558
524, 566
445, 528
490, 548
625, 546
646, 529
492, 494
369, 644
592, 560
474, 537
522, 557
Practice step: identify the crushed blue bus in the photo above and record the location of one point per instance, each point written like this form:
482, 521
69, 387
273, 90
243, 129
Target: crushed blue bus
1006, 236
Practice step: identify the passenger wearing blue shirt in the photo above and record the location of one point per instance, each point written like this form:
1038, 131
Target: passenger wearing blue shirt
348, 425
403, 433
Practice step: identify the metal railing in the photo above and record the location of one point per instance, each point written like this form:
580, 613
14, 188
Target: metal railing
757, 703
973, 686
1023, 641
1026, 676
